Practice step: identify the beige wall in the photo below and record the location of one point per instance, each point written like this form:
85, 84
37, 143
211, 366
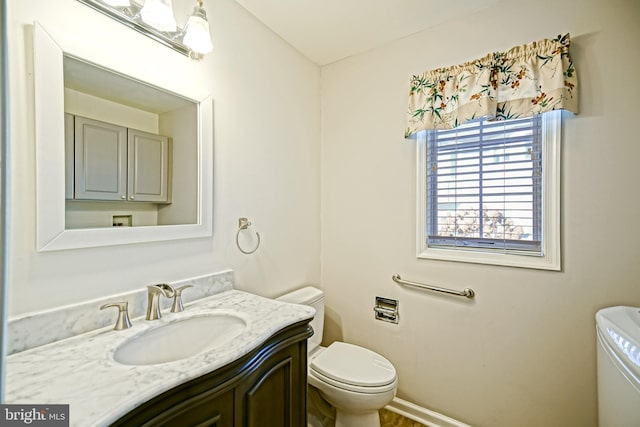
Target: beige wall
266, 164
523, 352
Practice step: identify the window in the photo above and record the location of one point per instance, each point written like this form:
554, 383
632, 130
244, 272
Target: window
489, 192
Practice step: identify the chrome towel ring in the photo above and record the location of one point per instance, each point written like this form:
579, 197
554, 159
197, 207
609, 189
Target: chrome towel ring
243, 224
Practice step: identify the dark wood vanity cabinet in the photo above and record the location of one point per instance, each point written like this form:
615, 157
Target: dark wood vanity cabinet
266, 387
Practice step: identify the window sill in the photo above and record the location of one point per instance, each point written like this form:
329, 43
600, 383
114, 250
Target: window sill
501, 259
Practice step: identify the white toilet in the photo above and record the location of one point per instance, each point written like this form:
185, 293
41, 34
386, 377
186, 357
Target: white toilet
356, 381
618, 334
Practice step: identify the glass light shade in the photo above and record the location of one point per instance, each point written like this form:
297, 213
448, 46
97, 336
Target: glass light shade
118, 3
197, 36
159, 14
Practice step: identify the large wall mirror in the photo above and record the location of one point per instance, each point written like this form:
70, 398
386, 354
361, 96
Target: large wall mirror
119, 160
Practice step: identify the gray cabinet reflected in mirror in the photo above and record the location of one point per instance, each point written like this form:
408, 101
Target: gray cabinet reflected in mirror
108, 147
124, 143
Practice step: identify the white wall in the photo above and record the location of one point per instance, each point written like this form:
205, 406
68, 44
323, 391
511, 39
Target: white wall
266, 167
181, 124
522, 353
93, 107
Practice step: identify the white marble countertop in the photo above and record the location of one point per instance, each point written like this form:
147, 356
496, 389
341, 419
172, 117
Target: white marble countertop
80, 371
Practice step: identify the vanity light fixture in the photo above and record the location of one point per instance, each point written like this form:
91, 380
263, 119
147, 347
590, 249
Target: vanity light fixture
118, 3
159, 14
155, 19
196, 33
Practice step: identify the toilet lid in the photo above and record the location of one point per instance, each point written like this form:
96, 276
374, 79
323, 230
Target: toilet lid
351, 364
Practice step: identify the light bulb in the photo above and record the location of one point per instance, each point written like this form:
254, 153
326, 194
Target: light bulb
197, 36
159, 14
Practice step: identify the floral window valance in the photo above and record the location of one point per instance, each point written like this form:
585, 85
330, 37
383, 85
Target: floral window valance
521, 82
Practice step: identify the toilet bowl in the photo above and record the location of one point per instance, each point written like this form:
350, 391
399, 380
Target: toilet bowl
356, 381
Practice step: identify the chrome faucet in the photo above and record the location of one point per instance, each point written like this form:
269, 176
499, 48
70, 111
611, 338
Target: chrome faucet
153, 305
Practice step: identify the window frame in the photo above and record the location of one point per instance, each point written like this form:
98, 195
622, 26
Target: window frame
551, 249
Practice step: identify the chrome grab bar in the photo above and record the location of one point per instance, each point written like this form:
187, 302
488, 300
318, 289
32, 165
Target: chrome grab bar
467, 292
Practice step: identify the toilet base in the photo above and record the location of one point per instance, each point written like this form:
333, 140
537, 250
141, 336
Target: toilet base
354, 409
360, 419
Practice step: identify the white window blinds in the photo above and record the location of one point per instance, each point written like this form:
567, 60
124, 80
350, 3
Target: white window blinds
484, 186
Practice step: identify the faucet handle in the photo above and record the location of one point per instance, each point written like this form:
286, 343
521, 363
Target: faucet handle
177, 299
123, 321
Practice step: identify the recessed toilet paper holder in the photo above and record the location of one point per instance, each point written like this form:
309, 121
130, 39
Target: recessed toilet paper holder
386, 309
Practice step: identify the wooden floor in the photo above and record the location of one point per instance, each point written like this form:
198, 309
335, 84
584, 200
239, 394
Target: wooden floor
320, 414
391, 419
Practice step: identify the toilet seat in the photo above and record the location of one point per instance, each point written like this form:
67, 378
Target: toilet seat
354, 368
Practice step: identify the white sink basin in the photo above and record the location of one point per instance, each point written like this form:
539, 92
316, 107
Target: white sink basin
180, 339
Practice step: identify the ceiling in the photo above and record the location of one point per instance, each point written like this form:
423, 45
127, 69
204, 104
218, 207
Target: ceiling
94, 80
326, 31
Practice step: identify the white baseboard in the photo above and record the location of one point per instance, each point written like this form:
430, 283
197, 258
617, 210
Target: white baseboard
422, 415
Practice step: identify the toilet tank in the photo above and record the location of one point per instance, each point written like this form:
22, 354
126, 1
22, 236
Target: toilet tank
315, 298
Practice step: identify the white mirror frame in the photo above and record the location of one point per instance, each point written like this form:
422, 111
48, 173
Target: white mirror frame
50, 169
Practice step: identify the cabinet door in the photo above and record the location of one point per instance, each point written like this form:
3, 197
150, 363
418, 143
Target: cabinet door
100, 160
275, 393
198, 411
148, 166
